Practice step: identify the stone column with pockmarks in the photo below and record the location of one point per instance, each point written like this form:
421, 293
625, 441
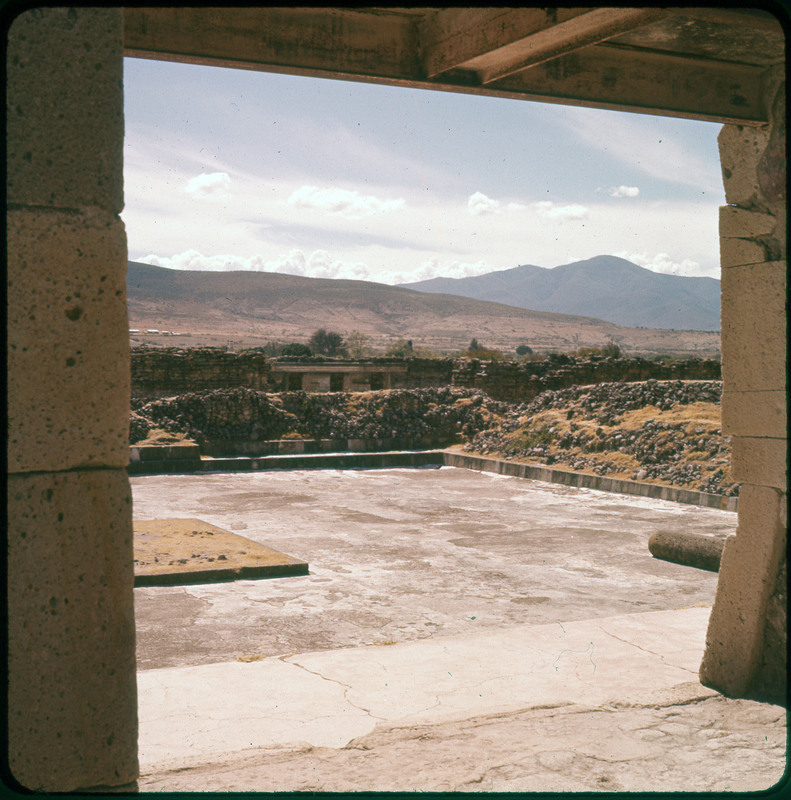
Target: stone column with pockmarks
72, 702
745, 644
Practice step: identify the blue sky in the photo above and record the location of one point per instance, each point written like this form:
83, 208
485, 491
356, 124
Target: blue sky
234, 169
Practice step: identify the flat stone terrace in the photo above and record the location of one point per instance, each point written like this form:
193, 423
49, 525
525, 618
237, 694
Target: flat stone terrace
493, 632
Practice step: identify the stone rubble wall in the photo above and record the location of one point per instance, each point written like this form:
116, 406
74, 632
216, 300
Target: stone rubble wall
245, 415
236, 422
163, 372
519, 382
169, 371
660, 451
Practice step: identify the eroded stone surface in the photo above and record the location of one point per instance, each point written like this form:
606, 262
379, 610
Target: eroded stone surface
68, 389
65, 108
710, 744
72, 692
399, 555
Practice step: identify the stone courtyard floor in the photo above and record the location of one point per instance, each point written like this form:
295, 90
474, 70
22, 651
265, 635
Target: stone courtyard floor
457, 631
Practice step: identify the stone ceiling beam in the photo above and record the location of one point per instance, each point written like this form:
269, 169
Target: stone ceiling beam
378, 46
756, 19
277, 39
625, 79
495, 43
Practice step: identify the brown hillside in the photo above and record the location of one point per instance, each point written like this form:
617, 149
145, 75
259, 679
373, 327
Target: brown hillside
250, 308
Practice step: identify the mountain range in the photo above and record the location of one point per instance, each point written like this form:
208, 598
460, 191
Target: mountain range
606, 287
251, 308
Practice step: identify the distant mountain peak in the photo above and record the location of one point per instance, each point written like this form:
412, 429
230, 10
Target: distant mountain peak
605, 287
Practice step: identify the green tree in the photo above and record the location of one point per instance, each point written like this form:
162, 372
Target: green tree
474, 346
357, 345
523, 350
295, 349
327, 343
273, 348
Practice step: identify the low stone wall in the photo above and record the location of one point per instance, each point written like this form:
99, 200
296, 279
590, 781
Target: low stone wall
164, 372
519, 382
160, 372
244, 415
424, 372
587, 481
240, 447
364, 454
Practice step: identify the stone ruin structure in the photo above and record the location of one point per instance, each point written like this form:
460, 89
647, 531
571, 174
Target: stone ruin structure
166, 371
72, 716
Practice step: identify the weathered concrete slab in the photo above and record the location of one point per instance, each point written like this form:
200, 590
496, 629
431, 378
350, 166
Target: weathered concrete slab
404, 554
493, 633
170, 552
214, 710
601, 704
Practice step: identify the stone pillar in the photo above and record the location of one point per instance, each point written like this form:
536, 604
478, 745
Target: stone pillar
72, 698
745, 644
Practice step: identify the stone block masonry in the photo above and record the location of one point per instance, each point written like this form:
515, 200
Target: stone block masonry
66, 338
72, 715
71, 659
746, 640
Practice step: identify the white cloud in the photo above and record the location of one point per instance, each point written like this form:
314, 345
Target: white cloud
661, 262
195, 260
434, 268
319, 264
343, 202
549, 210
479, 204
624, 191
212, 186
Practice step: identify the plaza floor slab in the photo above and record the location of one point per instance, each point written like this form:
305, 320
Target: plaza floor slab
437, 600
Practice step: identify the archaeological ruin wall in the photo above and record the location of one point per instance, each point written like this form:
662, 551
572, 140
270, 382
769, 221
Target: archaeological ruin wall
514, 382
164, 372
158, 372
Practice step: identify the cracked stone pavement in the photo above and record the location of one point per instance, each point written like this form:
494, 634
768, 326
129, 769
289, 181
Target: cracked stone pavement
458, 631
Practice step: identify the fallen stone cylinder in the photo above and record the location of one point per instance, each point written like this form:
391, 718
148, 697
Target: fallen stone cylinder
690, 549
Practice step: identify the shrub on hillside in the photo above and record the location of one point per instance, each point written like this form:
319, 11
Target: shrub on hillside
327, 343
295, 350
401, 348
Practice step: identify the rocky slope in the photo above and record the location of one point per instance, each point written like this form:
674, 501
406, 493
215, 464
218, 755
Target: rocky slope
446, 413
664, 432
658, 431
